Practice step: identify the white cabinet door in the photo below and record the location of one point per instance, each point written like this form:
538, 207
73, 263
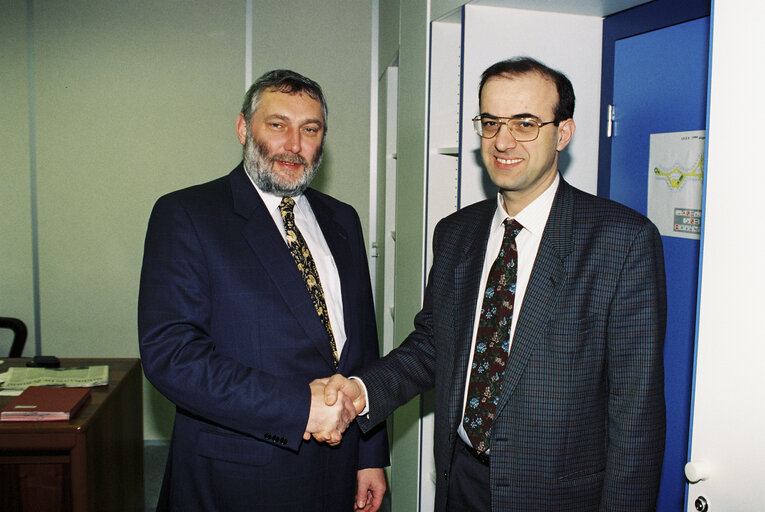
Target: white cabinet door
728, 426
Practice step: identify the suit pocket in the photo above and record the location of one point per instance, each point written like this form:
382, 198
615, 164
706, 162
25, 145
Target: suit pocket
234, 448
569, 333
574, 349
570, 351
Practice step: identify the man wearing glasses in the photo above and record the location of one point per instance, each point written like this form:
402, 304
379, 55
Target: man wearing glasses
541, 328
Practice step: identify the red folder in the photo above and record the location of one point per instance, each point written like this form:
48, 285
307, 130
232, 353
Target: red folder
41, 403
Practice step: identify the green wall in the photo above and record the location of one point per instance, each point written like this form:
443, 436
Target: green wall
16, 291
403, 38
331, 42
128, 100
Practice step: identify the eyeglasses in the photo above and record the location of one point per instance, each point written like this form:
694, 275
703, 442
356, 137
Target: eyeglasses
523, 129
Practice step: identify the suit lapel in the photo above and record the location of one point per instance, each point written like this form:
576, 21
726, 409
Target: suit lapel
269, 247
545, 283
467, 278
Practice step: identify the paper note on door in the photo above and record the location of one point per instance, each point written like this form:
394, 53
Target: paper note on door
676, 182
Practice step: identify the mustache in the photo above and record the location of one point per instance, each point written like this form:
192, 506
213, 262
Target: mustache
291, 159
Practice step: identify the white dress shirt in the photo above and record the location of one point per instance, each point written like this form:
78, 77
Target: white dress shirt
305, 220
533, 218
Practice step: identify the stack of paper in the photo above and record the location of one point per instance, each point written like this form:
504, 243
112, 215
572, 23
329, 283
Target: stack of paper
86, 376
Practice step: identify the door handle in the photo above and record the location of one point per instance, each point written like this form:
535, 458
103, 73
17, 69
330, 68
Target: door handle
696, 471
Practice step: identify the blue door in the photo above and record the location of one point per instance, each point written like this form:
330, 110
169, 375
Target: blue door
658, 81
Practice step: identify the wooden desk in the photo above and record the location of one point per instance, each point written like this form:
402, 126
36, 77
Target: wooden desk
91, 463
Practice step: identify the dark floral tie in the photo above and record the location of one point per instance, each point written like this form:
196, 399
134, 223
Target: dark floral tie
492, 341
302, 256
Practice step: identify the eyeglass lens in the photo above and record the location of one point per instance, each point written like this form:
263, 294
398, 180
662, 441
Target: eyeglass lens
521, 129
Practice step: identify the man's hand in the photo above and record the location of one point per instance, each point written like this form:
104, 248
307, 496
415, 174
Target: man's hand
339, 386
327, 423
370, 489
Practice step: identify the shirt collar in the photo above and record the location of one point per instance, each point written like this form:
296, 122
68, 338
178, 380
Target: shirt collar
534, 217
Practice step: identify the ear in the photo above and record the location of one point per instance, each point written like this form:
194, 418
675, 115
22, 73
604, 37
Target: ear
566, 130
241, 129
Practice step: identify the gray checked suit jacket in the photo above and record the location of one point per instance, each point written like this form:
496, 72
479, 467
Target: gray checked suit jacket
580, 424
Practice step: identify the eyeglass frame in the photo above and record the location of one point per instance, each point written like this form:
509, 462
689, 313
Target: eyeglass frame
505, 120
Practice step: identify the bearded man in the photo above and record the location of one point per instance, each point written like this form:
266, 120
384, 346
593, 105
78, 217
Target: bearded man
254, 287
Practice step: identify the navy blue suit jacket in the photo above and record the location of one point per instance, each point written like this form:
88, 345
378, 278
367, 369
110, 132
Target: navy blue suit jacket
580, 423
228, 333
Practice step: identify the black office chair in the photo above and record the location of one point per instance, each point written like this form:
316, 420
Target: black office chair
19, 334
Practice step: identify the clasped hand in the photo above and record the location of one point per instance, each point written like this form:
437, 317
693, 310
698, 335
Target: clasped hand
335, 403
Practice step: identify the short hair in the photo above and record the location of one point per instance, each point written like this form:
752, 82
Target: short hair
286, 81
522, 65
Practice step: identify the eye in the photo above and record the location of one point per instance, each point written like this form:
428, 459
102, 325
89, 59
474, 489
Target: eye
526, 124
488, 123
312, 130
277, 125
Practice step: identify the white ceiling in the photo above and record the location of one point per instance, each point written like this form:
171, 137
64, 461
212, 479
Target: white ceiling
585, 7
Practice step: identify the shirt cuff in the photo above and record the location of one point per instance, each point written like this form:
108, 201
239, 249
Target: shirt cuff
365, 411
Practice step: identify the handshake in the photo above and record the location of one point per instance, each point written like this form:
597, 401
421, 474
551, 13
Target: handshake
335, 403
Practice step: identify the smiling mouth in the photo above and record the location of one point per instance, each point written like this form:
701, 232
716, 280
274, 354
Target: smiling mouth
291, 163
508, 161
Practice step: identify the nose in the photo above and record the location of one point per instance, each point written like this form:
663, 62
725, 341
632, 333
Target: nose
293, 143
504, 140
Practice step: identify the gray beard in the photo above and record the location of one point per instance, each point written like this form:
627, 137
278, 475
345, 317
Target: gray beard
259, 167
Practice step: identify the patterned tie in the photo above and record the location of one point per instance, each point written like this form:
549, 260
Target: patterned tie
492, 341
302, 256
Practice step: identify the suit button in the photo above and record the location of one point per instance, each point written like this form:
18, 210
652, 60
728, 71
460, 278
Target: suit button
446, 475
267, 437
284, 441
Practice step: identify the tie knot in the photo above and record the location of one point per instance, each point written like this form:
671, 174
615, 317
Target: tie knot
512, 228
286, 208
287, 204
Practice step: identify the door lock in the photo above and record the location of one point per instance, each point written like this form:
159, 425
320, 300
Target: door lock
701, 504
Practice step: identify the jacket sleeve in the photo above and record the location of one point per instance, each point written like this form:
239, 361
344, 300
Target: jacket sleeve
406, 371
373, 445
636, 409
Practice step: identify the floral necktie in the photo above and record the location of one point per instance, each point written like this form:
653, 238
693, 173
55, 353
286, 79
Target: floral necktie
492, 341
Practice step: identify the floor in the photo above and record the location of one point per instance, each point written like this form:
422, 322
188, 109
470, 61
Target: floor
154, 457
